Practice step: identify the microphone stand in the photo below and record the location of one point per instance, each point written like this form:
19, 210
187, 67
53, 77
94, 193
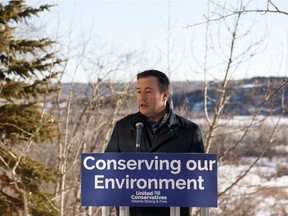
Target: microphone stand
124, 210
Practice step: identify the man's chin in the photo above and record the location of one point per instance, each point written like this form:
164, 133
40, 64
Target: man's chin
144, 112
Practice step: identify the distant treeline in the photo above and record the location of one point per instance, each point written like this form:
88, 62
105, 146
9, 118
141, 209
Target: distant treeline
257, 95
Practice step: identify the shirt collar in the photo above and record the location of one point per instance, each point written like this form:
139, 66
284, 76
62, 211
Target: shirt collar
153, 125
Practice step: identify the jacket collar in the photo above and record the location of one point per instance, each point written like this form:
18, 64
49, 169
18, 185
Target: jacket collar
172, 121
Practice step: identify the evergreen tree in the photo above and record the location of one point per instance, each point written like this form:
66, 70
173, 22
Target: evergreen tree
26, 70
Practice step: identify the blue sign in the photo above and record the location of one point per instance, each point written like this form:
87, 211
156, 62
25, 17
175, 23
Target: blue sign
142, 179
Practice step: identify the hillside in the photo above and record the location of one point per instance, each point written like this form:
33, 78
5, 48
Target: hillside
245, 97
259, 94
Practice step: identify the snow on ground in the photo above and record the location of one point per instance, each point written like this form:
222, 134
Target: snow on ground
263, 191
262, 184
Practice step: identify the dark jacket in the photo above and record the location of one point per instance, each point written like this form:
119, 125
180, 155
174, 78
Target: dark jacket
176, 135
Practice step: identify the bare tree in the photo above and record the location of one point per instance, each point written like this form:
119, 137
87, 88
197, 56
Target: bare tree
88, 113
218, 94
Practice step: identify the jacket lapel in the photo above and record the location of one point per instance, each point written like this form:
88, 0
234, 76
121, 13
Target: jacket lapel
166, 132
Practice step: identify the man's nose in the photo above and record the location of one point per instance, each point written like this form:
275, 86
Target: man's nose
142, 96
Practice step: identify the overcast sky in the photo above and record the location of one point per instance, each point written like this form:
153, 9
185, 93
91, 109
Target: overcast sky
141, 27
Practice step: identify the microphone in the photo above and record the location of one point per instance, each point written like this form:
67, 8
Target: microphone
139, 127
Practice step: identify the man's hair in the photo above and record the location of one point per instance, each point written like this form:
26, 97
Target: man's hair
163, 80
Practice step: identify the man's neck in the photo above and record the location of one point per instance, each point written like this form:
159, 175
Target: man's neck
159, 115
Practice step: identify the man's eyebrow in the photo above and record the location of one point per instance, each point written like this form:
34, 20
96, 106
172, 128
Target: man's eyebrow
146, 88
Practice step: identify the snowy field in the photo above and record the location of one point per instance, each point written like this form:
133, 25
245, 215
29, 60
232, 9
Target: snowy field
254, 185
263, 189
258, 185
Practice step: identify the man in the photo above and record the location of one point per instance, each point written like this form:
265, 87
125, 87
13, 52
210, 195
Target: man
163, 131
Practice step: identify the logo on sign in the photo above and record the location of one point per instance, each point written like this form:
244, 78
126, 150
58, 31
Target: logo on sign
152, 197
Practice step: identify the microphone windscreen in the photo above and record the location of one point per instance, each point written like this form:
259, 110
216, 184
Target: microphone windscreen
139, 125
139, 118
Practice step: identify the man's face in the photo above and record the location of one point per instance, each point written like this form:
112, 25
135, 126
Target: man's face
151, 102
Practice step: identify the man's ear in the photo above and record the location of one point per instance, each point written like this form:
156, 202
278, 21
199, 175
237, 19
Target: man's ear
166, 94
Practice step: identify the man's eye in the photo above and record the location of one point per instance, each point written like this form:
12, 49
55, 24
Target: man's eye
148, 92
